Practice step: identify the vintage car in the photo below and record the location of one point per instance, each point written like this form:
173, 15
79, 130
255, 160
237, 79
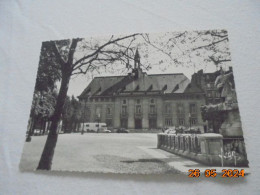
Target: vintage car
122, 130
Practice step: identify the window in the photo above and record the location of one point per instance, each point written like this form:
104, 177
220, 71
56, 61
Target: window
98, 111
181, 121
97, 125
180, 109
87, 125
138, 109
168, 122
152, 101
124, 109
87, 113
193, 121
193, 108
152, 109
108, 110
167, 108
138, 101
124, 101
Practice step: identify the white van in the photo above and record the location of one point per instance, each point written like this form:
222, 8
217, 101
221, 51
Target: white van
94, 127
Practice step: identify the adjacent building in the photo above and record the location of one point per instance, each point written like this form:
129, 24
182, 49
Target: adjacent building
206, 82
142, 101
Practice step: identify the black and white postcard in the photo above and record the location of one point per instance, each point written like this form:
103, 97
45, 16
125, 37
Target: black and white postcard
142, 103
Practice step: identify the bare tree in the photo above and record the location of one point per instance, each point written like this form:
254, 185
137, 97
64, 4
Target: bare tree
181, 48
70, 62
81, 56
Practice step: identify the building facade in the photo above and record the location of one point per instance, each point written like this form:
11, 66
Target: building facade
206, 82
142, 101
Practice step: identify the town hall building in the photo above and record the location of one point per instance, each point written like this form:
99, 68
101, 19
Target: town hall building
142, 101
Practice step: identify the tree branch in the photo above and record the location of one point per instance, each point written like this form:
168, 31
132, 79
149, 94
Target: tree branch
211, 44
103, 46
72, 50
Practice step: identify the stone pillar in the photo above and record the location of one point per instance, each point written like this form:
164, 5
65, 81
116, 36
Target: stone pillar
145, 110
186, 112
232, 124
131, 110
103, 107
116, 113
93, 111
159, 108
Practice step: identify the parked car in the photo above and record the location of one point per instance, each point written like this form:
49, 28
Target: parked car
122, 130
37, 132
170, 130
192, 130
93, 127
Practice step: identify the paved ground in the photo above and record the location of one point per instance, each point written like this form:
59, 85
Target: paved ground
116, 153
110, 153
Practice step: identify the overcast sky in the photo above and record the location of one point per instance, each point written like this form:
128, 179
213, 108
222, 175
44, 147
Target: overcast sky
158, 61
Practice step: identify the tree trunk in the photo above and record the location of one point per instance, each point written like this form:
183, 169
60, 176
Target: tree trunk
48, 151
42, 123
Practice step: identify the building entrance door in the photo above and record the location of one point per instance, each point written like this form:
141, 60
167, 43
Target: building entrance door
124, 123
152, 123
138, 123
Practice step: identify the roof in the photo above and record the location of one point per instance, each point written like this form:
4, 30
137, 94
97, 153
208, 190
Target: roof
100, 84
166, 83
161, 82
193, 88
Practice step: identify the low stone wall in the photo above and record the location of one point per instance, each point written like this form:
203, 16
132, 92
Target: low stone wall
205, 148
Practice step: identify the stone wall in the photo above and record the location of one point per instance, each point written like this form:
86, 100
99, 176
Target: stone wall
205, 148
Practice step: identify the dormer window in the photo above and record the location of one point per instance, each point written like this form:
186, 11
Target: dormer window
89, 90
137, 88
164, 87
150, 88
123, 88
177, 87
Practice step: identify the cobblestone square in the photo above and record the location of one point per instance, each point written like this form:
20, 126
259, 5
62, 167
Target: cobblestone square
110, 153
